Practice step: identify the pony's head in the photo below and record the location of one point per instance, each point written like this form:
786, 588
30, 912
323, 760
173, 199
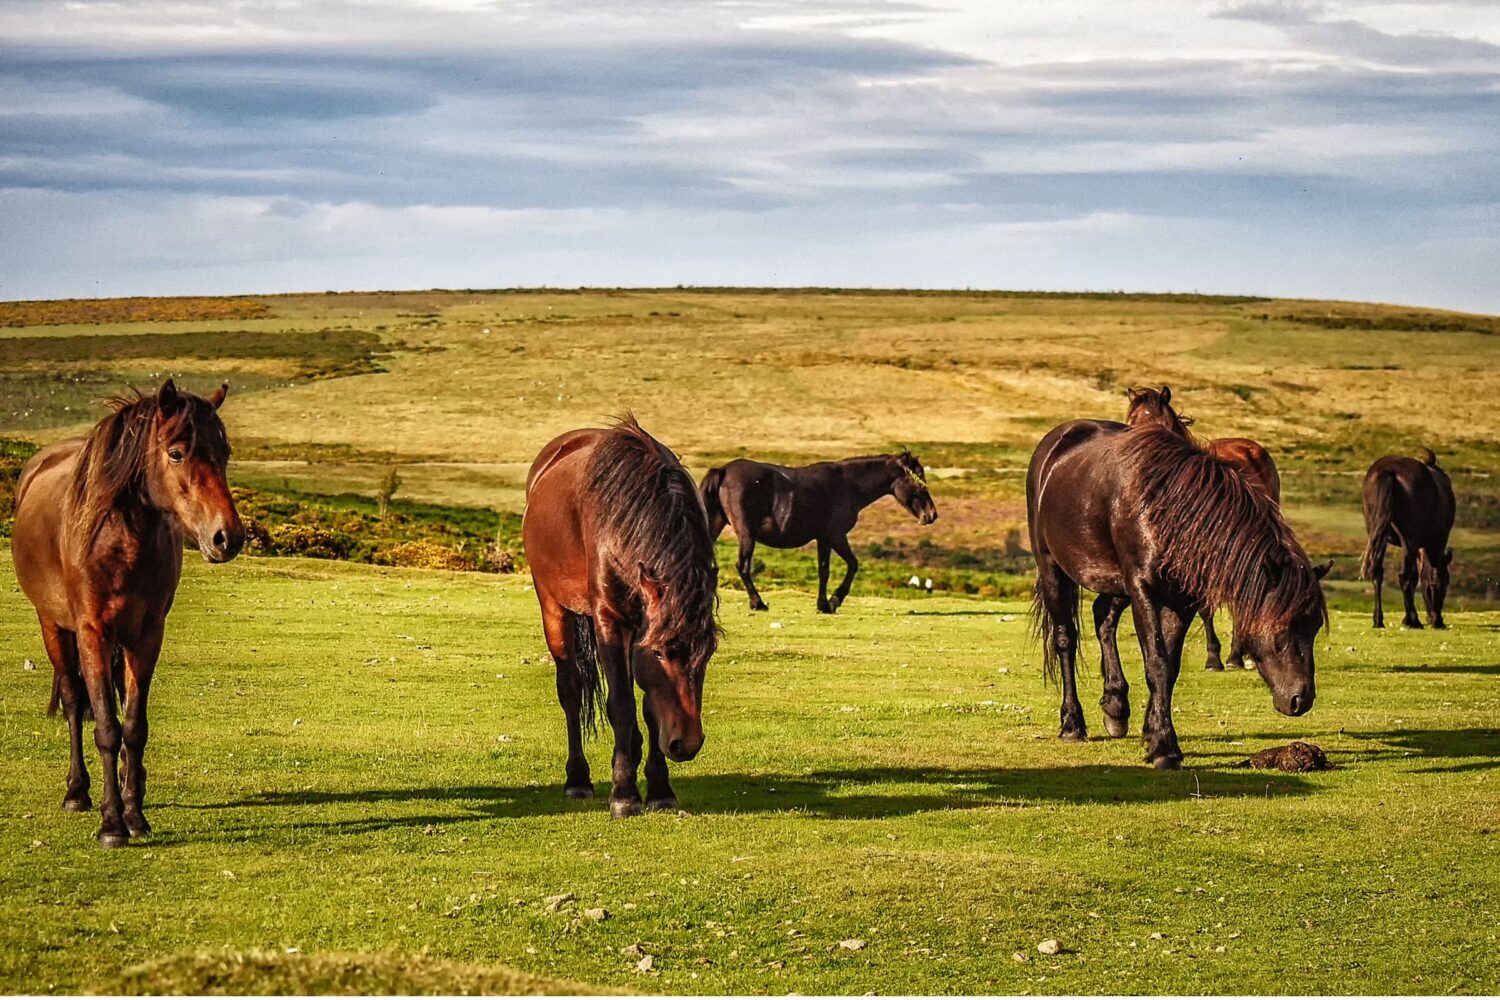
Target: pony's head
1282, 644
1434, 576
168, 452
1153, 408
909, 486
185, 470
670, 664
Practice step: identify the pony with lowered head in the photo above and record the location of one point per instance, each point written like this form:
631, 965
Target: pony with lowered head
98, 539
618, 544
1145, 515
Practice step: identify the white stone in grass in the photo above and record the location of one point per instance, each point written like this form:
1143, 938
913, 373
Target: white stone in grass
1051, 946
852, 944
644, 965
596, 913
28, 665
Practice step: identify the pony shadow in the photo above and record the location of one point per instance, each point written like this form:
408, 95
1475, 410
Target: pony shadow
1489, 669
848, 793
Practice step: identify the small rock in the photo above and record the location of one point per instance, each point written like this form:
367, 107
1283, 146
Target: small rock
1220, 950
596, 913
644, 965
1158, 936
776, 625
554, 903
778, 964
431, 830
632, 951
1020, 956
1051, 946
852, 944
28, 665
296, 723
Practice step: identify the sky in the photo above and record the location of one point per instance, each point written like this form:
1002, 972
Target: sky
1271, 147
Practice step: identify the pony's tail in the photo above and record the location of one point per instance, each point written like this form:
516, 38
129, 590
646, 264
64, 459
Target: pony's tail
711, 504
57, 683
1429, 457
1043, 624
586, 664
1378, 522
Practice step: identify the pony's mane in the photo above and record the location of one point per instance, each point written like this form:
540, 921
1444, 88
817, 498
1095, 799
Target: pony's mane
650, 513
1179, 422
111, 466
1222, 540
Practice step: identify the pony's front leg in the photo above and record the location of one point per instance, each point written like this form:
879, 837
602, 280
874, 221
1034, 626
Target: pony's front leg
1160, 630
851, 566
95, 660
68, 689
624, 794
659, 794
825, 555
1211, 640
140, 664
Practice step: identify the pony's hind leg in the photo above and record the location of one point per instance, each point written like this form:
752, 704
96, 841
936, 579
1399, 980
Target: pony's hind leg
1408, 581
1115, 701
1211, 640
562, 629
68, 690
825, 557
659, 794
1377, 578
745, 565
1057, 596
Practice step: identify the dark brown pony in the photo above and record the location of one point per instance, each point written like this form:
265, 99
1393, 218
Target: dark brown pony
1153, 408
623, 564
98, 536
1409, 503
786, 508
1146, 515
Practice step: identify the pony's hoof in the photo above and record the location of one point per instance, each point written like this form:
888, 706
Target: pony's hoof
624, 808
1073, 735
1440, 625
825, 609
1378, 625
1116, 727
662, 805
759, 606
137, 826
579, 791
78, 804
112, 839
1215, 665
1166, 762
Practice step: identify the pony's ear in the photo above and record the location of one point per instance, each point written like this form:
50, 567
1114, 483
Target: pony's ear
1321, 571
1448, 557
167, 398
651, 588
1166, 394
1131, 392
217, 399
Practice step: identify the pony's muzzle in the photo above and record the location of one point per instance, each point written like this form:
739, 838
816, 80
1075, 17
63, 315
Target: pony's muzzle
225, 542
681, 750
1297, 702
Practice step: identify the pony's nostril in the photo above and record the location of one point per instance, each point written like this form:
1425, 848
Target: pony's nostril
221, 540
1296, 704
675, 748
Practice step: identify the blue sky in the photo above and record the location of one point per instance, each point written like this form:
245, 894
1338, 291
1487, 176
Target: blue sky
1344, 150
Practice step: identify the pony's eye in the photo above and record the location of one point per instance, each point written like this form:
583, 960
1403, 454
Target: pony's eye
175, 455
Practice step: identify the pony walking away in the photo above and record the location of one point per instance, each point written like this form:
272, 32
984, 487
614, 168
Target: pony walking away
624, 570
786, 508
98, 540
1409, 503
1153, 408
1146, 516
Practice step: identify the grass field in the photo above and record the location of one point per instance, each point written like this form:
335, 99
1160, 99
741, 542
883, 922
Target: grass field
356, 770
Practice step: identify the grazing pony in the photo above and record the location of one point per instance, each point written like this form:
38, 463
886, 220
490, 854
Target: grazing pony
624, 570
1153, 408
786, 508
1409, 503
1145, 515
100, 522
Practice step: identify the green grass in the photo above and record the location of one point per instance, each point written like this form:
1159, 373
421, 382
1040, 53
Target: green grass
359, 760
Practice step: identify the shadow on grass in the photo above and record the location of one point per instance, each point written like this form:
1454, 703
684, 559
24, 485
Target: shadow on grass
1490, 669
854, 793
1451, 751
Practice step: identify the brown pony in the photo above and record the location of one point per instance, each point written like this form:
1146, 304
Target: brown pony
100, 522
624, 569
1147, 516
1153, 408
1409, 503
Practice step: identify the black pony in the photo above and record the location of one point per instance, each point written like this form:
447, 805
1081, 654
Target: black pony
1409, 503
786, 508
